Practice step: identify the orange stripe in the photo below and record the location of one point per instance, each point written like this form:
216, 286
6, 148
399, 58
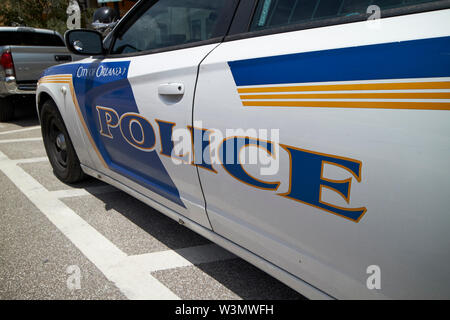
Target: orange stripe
77, 107
50, 78
351, 87
56, 78
60, 75
55, 81
413, 95
351, 104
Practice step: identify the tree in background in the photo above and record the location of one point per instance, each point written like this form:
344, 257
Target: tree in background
46, 14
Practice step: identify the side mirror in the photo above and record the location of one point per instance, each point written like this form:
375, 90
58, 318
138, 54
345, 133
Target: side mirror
84, 42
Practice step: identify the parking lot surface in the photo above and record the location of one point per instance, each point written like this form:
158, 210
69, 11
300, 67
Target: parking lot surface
92, 241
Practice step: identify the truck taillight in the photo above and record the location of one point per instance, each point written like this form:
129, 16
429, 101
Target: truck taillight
7, 63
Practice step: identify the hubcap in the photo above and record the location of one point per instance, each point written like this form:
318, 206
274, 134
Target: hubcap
61, 142
58, 144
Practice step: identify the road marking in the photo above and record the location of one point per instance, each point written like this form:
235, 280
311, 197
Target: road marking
20, 140
61, 194
132, 280
185, 257
30, 160
20, 130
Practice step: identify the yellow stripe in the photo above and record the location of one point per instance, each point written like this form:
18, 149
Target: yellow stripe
351, 87
60, 76
80, 115
57, 77
55, 81
413, 95
77, 107
46, 79
351, 104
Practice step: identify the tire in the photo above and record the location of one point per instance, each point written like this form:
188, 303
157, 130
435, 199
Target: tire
58, 145
6, 109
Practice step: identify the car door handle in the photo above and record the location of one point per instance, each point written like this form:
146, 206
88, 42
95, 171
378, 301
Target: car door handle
171, 89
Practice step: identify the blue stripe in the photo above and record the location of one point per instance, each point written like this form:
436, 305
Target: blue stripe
426, 58
114, 91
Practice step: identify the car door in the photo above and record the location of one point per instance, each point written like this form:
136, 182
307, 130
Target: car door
142, 92
357, 189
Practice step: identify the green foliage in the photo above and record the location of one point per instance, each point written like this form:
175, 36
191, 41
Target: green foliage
46, 14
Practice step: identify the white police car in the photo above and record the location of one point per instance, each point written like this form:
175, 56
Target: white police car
309, 137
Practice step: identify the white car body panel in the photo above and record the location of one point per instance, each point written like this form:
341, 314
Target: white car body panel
404, 155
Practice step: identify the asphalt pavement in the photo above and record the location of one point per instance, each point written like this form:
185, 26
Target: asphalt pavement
92, 241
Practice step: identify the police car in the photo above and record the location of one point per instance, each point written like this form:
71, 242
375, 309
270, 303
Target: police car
309, 137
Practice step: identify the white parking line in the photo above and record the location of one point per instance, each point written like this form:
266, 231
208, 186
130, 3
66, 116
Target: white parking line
20, 130
132, 280
20, 140
30, 160
185, 257
131, 274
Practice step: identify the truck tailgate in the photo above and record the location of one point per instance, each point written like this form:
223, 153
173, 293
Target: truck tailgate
30, 62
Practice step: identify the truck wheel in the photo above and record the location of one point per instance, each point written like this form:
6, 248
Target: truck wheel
6, 109
58, 145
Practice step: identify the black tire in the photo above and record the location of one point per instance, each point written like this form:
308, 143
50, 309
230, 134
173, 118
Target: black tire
58, 145
6, 109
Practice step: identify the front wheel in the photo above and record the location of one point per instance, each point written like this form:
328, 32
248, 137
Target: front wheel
6, 109
58, 145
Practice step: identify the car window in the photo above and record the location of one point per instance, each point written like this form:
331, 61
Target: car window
169, 23
274, 13
20, 38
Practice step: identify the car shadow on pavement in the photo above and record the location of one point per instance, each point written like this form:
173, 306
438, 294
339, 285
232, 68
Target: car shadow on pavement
25, 114
25, 122
236, 275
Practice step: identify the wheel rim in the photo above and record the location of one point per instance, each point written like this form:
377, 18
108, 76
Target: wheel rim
57, 144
